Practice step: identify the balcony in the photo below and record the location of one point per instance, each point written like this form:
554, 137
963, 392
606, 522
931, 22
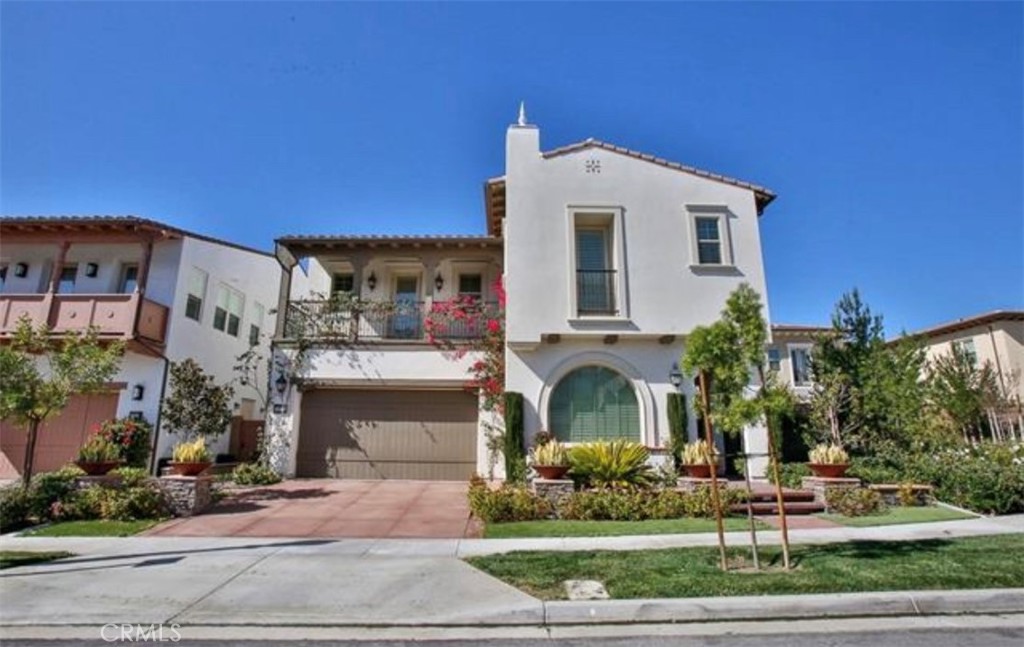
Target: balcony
369, 321
595, 293
115, 316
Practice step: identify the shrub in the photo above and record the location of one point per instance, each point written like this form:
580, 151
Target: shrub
700, 503
791, 474
142, 501
638, 505
826, 454
515, 460
131, 476
677, 425
15, 503
872, 470
699, 453
550, 453
986, 478
50, 487
193, 452
906, 495
255, 474
510, 502
99, 450
853, 502
131, 437
619, 463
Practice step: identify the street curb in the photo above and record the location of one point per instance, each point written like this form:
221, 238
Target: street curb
779, 607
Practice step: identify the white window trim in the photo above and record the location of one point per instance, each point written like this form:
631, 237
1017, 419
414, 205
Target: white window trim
228, 290
719, 212
202, 297
792, 365
618, 260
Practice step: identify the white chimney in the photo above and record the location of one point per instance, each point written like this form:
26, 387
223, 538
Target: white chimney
522, 143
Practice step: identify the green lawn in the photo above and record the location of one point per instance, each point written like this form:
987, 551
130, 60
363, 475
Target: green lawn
898, 515
560, 528
971, 563
12, 558
97, 528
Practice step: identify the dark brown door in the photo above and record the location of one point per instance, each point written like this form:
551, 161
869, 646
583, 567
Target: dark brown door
368, 434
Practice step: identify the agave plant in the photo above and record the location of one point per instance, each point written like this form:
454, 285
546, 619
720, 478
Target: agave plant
193, 452
699, 453
550, 453
826, 454
619, 463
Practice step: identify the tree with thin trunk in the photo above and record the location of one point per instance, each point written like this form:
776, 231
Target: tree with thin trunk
40, 371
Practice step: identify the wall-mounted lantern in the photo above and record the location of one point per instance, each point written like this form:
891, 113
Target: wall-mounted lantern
438, 282
138, 391
21, 270
675, 376
371, 281
281, 383
91, 270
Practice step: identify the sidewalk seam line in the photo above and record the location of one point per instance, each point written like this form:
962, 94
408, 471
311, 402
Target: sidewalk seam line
223, 584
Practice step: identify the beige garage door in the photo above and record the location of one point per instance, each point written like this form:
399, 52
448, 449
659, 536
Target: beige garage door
59, 438
366, 434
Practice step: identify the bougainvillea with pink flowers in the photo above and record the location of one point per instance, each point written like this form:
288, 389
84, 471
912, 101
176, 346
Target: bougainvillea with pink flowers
130, 436
463, 325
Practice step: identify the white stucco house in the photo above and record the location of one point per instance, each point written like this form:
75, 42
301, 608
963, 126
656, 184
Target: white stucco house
609, 258
169, 294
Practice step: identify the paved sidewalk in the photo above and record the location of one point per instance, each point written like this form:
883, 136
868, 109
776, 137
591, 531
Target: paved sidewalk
391, 582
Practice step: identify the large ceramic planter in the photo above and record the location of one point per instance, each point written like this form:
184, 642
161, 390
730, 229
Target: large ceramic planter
552, 472
97, 469
698, 471
190, 469
829, 471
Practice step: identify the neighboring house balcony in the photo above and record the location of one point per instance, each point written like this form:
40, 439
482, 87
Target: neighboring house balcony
115, 316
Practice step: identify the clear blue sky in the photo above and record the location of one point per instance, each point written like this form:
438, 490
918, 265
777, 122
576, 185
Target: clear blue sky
893, 133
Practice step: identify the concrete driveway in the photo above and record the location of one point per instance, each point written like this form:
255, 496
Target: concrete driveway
335, 508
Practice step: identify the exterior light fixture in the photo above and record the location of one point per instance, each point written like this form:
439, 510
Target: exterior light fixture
438, 282
91, 270
138, 391
21, 270
371, 281
675, 376
281, 383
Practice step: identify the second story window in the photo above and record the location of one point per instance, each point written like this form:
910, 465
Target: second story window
227, 314
709, 241
256, 325
595, 278
966, 348
129, 279
774, 359
342, 282
196, 294
66, 284
801, 358
472, 286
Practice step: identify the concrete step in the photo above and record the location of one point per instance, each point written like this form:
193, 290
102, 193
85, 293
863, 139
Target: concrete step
768, 496
794, 507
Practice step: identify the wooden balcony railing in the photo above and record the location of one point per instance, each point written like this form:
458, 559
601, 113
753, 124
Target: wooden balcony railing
115, 316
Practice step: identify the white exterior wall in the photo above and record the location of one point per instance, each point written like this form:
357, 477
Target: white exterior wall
660, 289
257, 277
663, 292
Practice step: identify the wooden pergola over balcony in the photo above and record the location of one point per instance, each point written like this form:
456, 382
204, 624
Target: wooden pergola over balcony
128, 317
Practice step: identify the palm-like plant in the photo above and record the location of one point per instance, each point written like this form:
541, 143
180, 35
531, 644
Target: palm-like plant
619, 463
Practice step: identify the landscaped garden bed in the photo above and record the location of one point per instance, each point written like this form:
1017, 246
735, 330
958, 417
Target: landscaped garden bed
970, 563
92, 528
900, 515
564, 528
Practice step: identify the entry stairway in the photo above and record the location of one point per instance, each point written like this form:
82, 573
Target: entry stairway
795, 502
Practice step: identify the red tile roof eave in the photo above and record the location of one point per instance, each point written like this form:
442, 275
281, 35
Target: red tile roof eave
123, 221
968, 322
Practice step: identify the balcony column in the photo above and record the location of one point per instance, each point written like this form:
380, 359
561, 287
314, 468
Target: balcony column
49, 302
287, 261
147, 258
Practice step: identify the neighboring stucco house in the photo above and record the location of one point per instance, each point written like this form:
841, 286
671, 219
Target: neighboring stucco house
994, 337
609, 256
168, 294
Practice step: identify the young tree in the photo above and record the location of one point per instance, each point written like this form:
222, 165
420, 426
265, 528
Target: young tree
744, 312
39, 372
962, 392
196, 405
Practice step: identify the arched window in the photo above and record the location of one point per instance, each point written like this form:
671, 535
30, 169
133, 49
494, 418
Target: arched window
594, 403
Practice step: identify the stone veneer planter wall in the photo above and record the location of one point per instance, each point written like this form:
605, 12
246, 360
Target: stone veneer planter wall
187, 495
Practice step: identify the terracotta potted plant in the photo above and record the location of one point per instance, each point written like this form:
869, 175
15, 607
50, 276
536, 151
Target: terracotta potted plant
829, 461
550, 460
697, 458
191, 459
98, 456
